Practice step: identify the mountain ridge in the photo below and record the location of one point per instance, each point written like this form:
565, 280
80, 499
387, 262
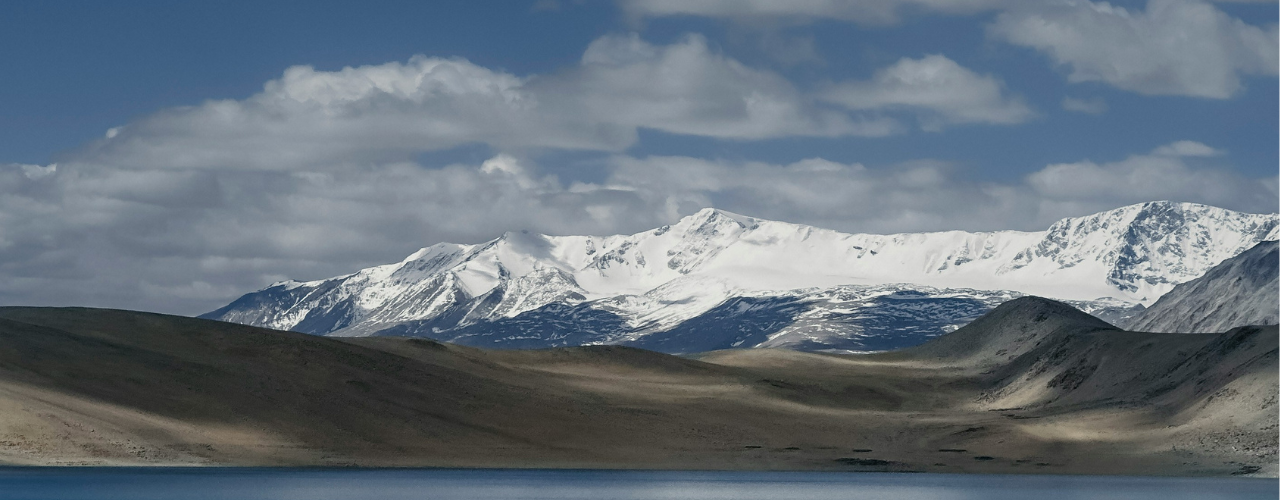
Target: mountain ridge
1241, 291
655, 280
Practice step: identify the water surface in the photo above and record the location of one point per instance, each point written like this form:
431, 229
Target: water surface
471, 484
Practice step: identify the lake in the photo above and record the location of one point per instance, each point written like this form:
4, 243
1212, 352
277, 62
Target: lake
444, 484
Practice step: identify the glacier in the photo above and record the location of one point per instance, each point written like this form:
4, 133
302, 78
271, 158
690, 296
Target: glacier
716, 280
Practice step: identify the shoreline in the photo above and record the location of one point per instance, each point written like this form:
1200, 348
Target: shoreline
329, 468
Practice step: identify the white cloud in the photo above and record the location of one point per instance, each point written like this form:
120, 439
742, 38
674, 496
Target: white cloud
187, 241
1186, 148
1171, 172
317, 174
310, 120
686, 88
914, 196
369, 113
391, 112
871, 12
942, 91
34, 172
932, 195
1094, 106
1174, 47
509, 167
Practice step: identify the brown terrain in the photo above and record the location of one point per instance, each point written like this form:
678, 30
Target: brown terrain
1033, 387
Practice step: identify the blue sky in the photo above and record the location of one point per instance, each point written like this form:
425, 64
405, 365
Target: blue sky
169, 156
79, 68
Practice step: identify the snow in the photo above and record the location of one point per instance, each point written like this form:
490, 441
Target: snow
659, 278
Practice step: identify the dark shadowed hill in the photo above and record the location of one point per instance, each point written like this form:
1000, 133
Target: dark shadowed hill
1035, 386
1055, 357
1040, 353
1243, 290
1011, 330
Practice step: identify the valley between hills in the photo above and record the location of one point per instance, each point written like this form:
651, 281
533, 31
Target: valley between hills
1034, 386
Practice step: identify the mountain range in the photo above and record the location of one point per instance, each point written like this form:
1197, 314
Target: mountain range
718, 280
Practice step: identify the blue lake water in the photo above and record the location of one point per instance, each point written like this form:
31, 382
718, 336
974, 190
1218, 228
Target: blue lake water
470, 484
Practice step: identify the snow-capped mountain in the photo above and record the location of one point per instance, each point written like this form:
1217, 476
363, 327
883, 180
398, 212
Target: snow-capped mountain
525, 290
1241, 291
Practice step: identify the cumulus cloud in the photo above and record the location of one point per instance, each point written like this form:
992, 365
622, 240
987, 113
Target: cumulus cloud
937, 88
189, 240
932, 195
319, 173
185, 240
1174, 47
1175, 171
1186, 148
368, 113
686, 88
922, 195
393, 111
33, 171
869, 12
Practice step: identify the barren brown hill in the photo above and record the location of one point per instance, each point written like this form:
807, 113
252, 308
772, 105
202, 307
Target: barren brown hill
1033, 387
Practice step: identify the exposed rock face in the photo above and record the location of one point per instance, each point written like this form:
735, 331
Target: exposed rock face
1243, 290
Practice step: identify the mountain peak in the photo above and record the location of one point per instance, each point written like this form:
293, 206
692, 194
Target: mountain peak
1179, 207
1010, 330
709, 215
1035, 309
1140, 212
1169, 204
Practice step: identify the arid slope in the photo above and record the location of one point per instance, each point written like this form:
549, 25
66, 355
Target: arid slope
1035, 386
1242, 290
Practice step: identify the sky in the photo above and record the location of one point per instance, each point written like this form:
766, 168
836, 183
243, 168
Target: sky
171, 156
